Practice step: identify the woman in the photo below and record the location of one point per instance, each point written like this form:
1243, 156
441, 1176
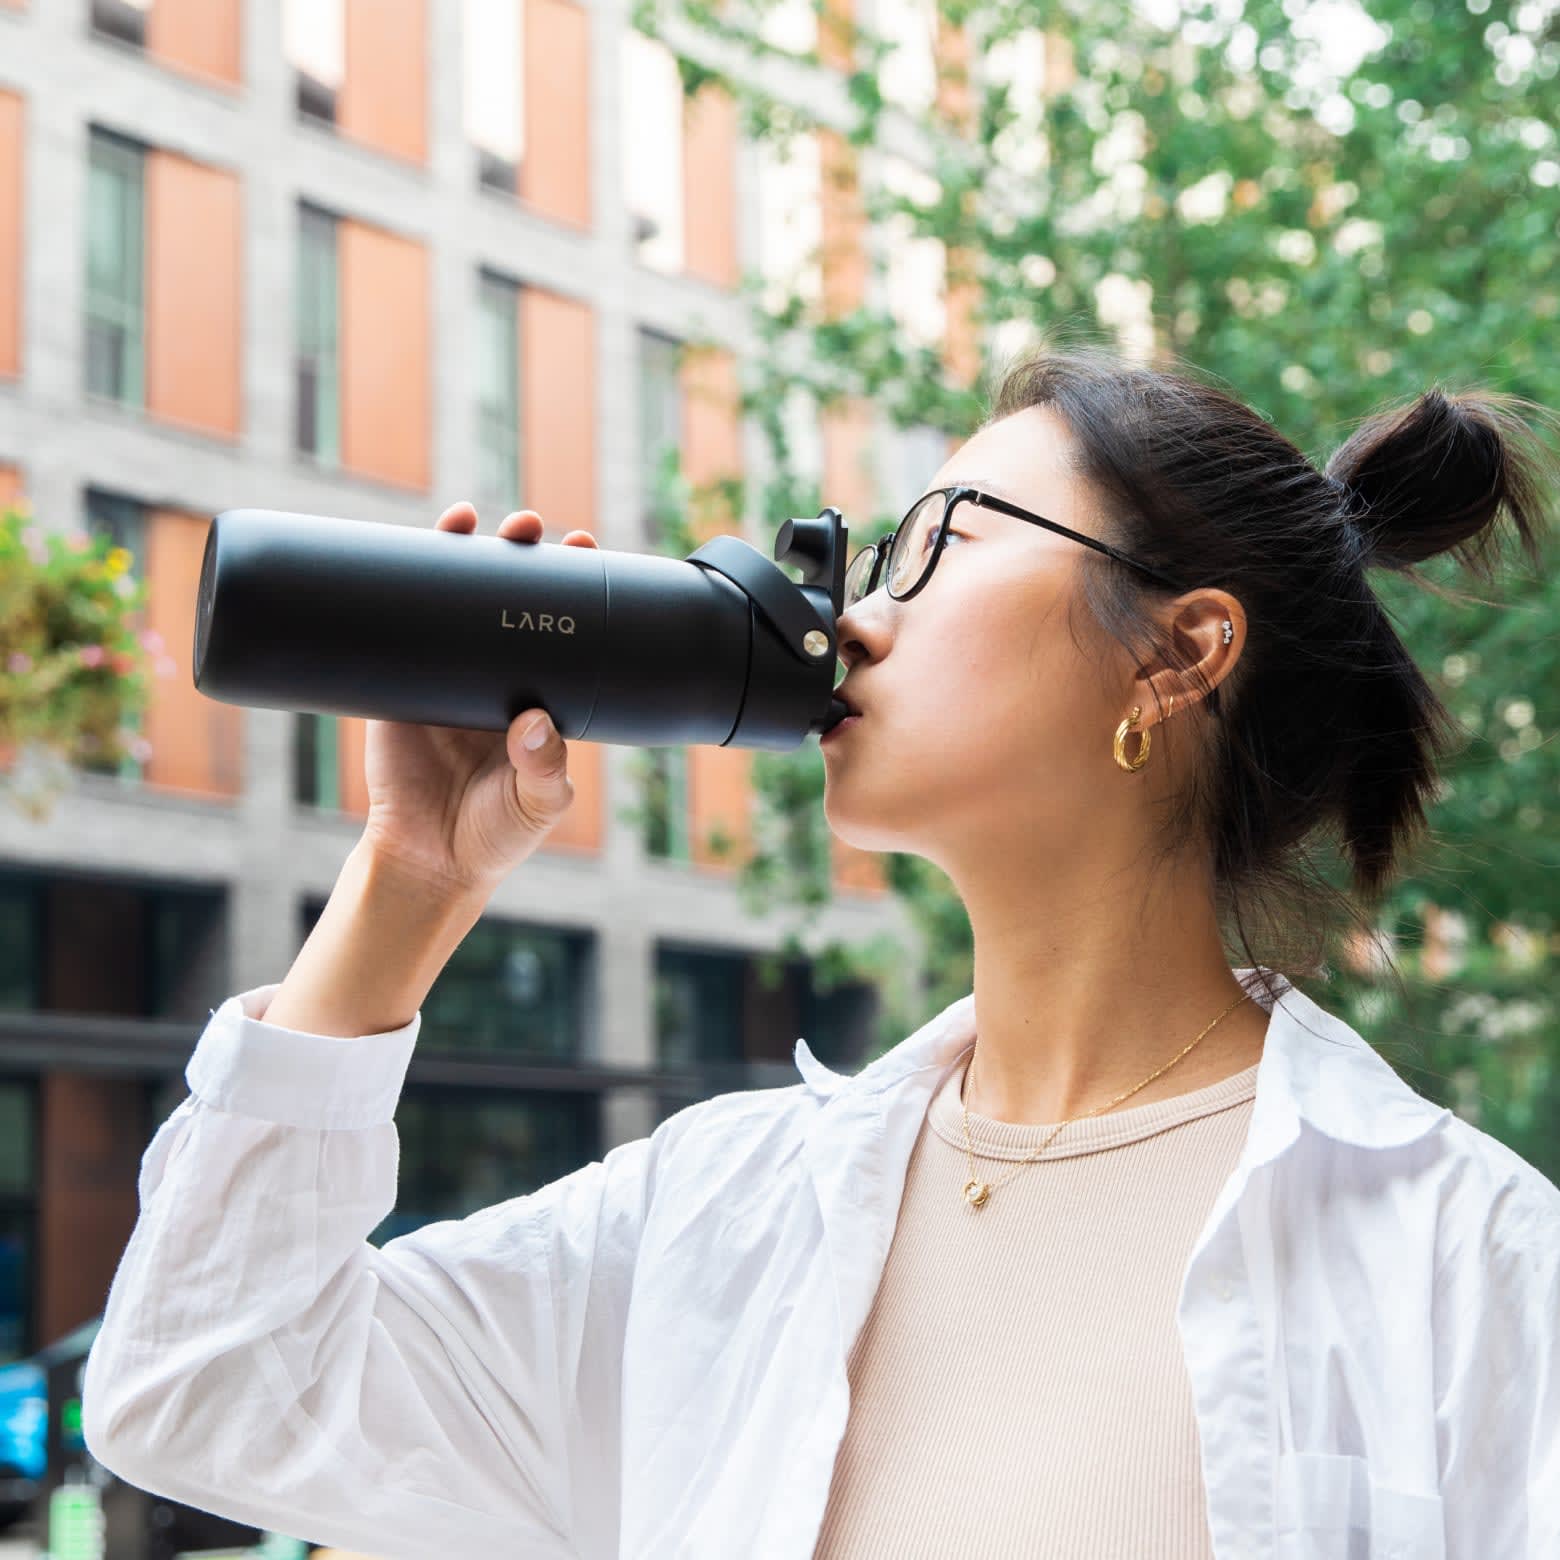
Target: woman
1164, 1261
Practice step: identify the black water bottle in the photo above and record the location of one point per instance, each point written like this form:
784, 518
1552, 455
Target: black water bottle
409, 623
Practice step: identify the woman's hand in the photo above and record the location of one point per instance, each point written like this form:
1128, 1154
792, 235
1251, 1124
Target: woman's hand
464, 808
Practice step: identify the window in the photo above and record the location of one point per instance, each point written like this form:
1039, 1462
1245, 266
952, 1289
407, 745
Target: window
18, 1217
461, 1150
790, 216
511, 989
494, 41
666, 802
121, 19
653, 150
21, 952
115, 266
318, 315
498, 393
111, 945
660, 425
314, 42
730, 1018
699, 1006
317, 769
123, 521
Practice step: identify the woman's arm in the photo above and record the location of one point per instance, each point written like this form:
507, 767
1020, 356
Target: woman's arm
443, 1395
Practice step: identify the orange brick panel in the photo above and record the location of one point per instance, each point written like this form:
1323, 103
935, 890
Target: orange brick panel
580, 827
710, 178
558, 410
198, 36
196, 742
351, 783
194, 303
720, 795
385, 400
12, 182
555, 172
848, 481
383, 100
711, 430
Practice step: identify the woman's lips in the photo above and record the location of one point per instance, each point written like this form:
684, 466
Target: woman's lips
850, 720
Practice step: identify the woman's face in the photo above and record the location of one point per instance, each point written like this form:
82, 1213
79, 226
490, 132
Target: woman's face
985, 726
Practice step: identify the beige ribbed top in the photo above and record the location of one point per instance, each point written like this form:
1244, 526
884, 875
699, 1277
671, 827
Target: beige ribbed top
1018, 1388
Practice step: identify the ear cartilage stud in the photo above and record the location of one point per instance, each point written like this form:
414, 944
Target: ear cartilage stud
1229, 631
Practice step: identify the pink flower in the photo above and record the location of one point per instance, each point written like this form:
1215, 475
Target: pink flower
140, 749
166, 666
92, 655
151, 640
19, 662
32, 537
78, 541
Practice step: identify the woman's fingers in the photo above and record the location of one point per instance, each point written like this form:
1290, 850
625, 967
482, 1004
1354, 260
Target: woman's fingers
521, 525
458, 517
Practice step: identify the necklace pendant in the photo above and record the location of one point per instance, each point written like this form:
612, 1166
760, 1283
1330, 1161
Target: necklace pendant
976, 1193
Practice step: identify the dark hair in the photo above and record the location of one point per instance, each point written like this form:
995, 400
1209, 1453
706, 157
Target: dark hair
1325, 728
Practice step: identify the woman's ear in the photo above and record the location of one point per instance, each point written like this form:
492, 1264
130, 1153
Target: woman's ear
1203, 659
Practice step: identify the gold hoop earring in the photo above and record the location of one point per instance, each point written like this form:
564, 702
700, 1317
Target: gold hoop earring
1131, 765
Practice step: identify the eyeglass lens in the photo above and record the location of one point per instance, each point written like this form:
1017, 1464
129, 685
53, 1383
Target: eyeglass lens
909, 557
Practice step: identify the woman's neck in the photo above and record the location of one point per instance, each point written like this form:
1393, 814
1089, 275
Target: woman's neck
1081, 996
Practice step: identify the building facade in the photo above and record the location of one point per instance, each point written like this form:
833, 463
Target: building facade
367, 258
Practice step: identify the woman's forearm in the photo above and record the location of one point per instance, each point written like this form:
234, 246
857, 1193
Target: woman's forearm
375, 951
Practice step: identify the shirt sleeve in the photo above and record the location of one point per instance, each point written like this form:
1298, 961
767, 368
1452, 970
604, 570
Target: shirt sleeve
454, 1392
1498, 1388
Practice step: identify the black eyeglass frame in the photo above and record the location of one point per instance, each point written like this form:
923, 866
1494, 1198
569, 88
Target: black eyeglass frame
953, 497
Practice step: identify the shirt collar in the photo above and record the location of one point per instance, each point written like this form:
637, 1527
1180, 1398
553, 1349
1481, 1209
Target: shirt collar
1314, 1068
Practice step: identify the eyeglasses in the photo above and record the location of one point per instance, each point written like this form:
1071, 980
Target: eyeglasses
913, 547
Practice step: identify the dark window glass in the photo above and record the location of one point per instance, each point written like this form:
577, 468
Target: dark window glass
17, 1170
461, 1151
115, 305
699, 1007
120, 20
509, 988
315, 99
666, 802
730, 1020
316, 771
18, 1217
497, 173
20, 953
123, 521
660, 425
317, 363
498, 393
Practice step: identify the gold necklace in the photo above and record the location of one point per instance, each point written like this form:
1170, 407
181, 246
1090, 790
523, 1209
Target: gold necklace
977, 1191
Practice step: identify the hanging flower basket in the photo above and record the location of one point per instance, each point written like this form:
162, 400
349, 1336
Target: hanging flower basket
74, 658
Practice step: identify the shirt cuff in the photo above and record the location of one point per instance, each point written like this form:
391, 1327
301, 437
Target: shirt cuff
249, 1067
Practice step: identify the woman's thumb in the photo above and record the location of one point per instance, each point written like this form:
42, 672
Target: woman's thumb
538, 732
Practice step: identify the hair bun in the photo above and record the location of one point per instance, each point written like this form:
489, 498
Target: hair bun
1434, 476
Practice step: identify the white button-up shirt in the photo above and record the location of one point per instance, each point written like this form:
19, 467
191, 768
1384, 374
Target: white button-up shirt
647, 1357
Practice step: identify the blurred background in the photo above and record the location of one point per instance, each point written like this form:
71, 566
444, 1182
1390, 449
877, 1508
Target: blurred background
665, 271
